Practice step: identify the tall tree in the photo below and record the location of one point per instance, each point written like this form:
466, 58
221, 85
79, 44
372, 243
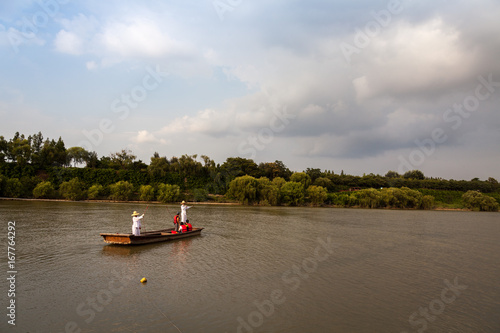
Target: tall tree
3, 149
159, 166
122, 159
77, 155
19, 149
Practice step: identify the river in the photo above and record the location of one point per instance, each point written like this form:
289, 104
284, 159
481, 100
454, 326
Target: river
253, 269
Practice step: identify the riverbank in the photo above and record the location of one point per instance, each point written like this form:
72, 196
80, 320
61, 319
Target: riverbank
437, 208
114, 201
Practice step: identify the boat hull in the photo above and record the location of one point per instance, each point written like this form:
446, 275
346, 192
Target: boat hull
148, 237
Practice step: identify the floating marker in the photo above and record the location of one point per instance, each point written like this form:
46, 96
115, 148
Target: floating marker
144, 280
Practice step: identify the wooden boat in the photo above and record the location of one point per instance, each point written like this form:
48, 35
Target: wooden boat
148, 237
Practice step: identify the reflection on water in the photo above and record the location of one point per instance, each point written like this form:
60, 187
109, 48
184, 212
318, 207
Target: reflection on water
256, 269
179, 248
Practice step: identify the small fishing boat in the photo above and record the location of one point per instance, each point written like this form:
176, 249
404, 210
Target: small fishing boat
148, 237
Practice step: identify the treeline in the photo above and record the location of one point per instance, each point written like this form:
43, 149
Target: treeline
35, 167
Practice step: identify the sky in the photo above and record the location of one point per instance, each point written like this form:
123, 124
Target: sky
355, 86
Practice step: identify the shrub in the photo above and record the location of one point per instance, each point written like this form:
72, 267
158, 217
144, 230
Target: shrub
427, 202
73, 189
95, 191
146, 193
301, 177
244, 189
13, 188
324, 182
44, 190
316, 195
475, 200
292, 193
3, 184
268, 192
369, 198
200, 194
168, 193
121, 191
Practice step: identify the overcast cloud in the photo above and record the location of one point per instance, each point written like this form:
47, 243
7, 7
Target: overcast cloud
363, 86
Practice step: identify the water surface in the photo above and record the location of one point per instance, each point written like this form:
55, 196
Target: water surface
254, 269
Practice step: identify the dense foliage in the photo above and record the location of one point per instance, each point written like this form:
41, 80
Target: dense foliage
34, 167
475, 200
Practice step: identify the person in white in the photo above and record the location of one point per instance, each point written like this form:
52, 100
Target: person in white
136, 223
184, 209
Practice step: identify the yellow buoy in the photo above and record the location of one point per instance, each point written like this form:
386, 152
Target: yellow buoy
143, 280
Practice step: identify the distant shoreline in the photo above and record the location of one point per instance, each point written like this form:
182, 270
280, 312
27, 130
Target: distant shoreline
215, 203
130, 201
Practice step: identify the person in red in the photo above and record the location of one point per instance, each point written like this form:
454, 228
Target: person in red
183, 228
176, 221
189, 227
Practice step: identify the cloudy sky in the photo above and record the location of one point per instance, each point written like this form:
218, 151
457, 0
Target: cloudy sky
360, 86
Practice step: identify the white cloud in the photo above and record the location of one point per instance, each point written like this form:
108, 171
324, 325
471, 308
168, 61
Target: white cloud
412, 59
139, 38
147, 137
91, 65
68, 42
116, 40
209, 122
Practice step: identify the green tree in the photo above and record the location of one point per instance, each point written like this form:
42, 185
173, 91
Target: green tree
427, 202
313, 173
77, 155
92, 160
369, 198
274, 169
392, 174
121, 191
3, 149
19, 149
53, 153
475, 200
44, 190
237, 166
244, 189
414, 174
36, 148
200, 194
3, 184
13, 188
168, 193
316, 195
292, 193
123, 159
95, 191
268, 192
323, 182
159, 166
146, 193
301, 177
279, 182
73, 189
